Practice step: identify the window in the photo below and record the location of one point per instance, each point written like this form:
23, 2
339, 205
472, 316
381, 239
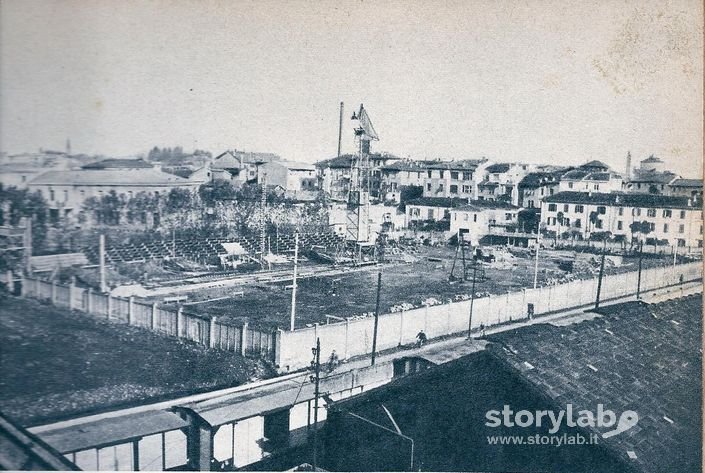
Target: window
453, 189
66, 196
531, 204
415, 212
570, 185
440, 187
665, 228
651, 213
667, 213
454, 175
681, 228
596, 187
474, 219
428, 187
579, 209
466, 189
566, 222
578, 223
620, 211
565, 207
550, 191
619, 225
442, 172
467, 217
551, 207
51, 194
598, 224
430, 214
637, 212
601, 210
507, 216
682, 213
652, 226
467, 176
429, 174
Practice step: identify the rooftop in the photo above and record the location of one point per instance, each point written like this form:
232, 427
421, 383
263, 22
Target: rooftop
653, 177
595, 164
114, 163
498, 168
688, 183
109, 177
537, 179
652, 159
480, 205
640, 357
619, 198
446, 202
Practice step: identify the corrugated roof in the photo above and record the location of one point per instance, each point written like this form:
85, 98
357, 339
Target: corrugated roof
619, 198
109, 177
112, 430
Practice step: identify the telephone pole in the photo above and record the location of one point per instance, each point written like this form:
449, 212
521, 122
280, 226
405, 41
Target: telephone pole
293, 286
374, 336
638, 279
316, 364
599, 280
472, 298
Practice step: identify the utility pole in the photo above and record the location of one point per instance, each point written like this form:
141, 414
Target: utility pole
638, 280
536, 260
599, 280
472, 299
101, 262
374, 336
173, 243
293, 286
316, 364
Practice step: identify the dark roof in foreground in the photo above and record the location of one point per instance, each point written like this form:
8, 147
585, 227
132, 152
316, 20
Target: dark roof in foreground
641, 357
619, 198
480, 205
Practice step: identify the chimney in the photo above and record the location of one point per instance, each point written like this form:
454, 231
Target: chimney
628, 174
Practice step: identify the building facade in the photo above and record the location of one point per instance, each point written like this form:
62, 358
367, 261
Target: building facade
654, 219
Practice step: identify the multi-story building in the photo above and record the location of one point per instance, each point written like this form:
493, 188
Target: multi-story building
66, 191
296, 179
692, 188
335, 173
500, 182
670, 220
431, 209
454, 179
593, 176
650, 178
403, 174
537, 185
479, 219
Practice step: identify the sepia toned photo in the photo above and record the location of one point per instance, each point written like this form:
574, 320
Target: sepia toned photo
371, 235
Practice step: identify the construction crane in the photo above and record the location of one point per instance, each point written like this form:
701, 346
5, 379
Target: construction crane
358, 235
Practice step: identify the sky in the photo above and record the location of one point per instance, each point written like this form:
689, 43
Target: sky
538, 81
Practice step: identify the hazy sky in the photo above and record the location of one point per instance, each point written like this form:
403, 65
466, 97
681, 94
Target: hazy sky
538, 81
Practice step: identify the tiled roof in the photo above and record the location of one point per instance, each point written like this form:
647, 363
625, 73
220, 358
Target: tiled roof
459, 165
498, 168
342, 161
446, 202
480, 205
109, 177
639, 357
594, 164
119, 164
619, 198
687, 183
576, 175
534, 180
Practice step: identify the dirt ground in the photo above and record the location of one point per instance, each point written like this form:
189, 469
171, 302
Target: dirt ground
56, 364
354, 293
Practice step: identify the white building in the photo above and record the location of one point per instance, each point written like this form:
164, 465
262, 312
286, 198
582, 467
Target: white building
481, 218
294, 178
668, 220
454, 179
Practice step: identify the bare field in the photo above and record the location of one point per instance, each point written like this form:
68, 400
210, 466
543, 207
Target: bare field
353, 292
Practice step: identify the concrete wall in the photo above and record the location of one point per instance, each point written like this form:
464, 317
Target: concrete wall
354, 337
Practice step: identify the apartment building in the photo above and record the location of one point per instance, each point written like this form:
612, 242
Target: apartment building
665, 220
501, 181
481, 218
454, 179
